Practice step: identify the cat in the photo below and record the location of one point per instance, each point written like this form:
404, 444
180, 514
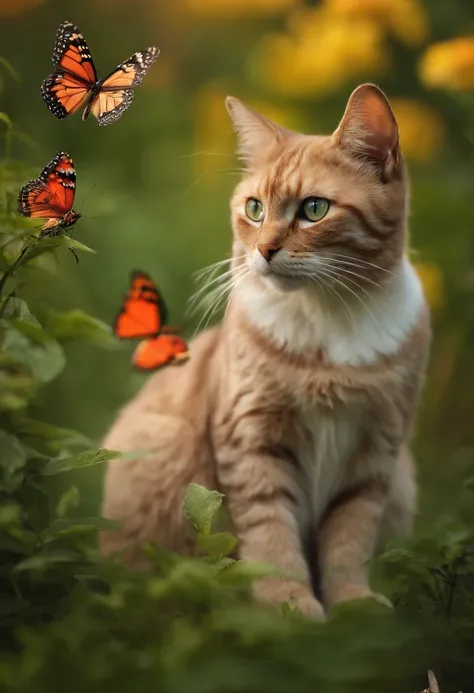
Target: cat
299, 406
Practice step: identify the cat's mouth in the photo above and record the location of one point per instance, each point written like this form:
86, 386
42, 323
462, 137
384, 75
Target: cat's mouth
282, 276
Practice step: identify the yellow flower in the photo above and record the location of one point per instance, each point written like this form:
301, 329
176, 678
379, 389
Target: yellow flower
407, 20
449, 64
237, 9
320, 54
432, 280
15, 6
421, 129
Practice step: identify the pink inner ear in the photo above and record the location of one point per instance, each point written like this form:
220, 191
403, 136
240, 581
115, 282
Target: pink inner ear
381, 129
369, 124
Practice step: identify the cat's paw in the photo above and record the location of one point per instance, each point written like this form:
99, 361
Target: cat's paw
295, 594
309, 606
351, 592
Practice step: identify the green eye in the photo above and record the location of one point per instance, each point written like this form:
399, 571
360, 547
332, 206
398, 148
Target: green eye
313, 208
254, 209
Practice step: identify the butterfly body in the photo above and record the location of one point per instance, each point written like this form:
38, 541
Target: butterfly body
142, 316
74, 84
51, 196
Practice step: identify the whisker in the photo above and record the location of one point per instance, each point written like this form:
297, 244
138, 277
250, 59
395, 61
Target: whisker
348, 288
222, 278
210, 268
237, 282
201, 299
363, 262
359, 286
207, 153
345, 305
226, 171
335, 265
221, 295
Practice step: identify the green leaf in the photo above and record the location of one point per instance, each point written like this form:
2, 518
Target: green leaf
88, 458
45, 361
15, 389
47, 559
201, 507
29, 428
69, 500
13, 459
16, 309
80, 525
76, 324
36, 505
10, 514
46, 244
217, 545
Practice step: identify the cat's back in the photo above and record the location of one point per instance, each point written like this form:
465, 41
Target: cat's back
181, 392
168, 420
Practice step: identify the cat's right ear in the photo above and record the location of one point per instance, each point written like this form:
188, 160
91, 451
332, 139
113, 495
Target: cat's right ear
255, 133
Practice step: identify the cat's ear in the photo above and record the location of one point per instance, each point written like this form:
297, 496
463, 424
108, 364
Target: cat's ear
255, 132
368, 129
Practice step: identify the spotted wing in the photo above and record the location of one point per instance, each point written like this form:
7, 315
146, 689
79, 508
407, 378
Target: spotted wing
69, 88
116, 91
52, 194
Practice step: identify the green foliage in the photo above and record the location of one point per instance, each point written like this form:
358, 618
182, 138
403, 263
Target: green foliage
73, 620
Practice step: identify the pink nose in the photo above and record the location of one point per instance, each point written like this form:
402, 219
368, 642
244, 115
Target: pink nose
267, 250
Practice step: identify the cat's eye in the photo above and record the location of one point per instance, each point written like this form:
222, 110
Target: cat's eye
254, 209
313, 209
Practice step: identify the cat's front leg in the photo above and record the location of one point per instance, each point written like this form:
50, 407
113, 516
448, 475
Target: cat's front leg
263, 498
347, 539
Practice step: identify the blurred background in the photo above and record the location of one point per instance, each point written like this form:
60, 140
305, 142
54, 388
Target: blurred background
154, 188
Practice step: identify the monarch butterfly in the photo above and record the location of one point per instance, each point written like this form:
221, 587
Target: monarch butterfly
51, 196
142, 316
74, 83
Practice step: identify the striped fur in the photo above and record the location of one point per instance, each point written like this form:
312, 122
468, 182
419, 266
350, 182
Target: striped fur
299, 406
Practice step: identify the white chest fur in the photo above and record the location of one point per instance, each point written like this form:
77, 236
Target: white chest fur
355, 334
326, 439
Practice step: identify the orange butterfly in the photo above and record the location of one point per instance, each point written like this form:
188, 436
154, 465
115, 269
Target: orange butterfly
74, 83
142, 316
51, 196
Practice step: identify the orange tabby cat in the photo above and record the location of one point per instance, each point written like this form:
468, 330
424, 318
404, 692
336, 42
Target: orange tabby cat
299, 405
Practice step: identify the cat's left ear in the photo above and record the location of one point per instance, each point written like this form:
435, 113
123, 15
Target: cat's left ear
255, 132
369, 130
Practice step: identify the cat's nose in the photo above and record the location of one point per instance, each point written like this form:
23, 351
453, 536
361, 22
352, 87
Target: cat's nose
267, 250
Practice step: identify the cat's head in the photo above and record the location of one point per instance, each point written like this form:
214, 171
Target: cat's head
321, 208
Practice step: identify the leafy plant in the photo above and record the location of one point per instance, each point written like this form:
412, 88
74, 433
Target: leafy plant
73, 620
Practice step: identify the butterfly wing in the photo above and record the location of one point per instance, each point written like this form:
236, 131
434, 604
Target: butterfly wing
116, 91
143, 311
152, 354
69, 88
52, 194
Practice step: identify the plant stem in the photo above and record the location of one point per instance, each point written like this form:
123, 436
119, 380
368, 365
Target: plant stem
15, 266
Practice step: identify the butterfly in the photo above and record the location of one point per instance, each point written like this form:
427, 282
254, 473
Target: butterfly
51, 196
143, 316
74, 83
